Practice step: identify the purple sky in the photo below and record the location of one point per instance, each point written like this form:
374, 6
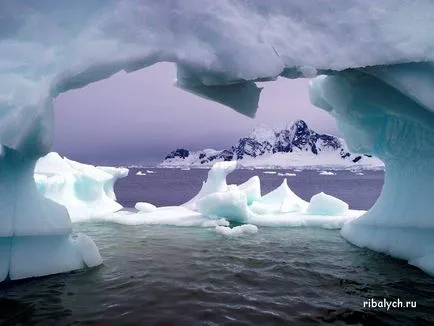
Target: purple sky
140, 117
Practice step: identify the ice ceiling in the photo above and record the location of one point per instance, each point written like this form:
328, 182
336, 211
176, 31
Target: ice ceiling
377, 56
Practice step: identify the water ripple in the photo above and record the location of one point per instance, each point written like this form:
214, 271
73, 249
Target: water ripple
156, 275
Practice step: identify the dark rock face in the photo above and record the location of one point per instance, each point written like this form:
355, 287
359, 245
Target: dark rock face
180, 152
298, 137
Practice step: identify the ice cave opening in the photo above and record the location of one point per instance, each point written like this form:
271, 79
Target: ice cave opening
373, 73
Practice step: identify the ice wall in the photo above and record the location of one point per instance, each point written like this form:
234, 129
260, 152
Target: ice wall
221, 49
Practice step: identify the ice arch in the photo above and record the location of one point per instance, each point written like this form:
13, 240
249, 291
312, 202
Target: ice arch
377, 56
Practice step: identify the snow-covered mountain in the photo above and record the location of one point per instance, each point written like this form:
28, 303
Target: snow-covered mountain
295, 146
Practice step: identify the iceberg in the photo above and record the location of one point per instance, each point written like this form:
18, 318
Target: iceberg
244, 204
35, 235
85, 190
384, 112
219, 204
279, 208
377, 84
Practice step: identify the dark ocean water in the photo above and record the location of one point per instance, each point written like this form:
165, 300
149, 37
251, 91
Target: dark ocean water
159, 275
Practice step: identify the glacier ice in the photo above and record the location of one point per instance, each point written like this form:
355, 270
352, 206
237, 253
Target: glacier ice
380, 76
85, 190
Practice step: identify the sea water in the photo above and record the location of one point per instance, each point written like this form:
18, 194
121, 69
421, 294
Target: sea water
159, 275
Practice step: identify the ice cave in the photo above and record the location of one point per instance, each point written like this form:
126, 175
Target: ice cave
372, 68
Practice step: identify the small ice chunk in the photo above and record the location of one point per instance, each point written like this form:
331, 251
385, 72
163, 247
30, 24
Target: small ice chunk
237, 230
140, 173
150, 171
145, 207
286, 174
270, 172
323, 204
88, 250
326, 173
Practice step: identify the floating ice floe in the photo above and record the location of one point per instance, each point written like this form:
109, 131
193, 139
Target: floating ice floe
287, 174
327, 173
140, 173
150, 171
185, 169
269, 172
85, 190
